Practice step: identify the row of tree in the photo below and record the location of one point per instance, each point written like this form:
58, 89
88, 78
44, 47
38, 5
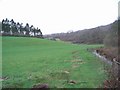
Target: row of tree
10, 27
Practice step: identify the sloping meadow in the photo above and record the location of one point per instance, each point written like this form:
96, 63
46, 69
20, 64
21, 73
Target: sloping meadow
28, 62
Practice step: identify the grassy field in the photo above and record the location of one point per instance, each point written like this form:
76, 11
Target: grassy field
30, 61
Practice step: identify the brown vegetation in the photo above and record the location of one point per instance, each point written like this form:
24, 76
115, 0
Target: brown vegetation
110, 53
40, 87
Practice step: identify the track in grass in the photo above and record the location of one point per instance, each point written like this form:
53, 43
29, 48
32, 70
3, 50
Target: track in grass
30, 61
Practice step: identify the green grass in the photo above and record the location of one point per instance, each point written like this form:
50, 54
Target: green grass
30, 61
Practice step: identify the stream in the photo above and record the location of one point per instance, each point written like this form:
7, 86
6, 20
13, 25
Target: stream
103, 58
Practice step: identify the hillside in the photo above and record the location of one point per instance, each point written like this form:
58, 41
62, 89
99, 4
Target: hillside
31, 61
87, 36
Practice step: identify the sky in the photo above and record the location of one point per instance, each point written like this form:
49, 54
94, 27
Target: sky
56, 16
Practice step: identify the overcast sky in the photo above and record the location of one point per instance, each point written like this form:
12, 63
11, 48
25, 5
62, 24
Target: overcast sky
56, 16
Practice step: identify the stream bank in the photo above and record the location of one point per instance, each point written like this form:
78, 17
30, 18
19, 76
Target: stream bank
114, 71
103, 58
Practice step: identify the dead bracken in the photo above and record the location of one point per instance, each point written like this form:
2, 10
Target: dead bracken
40, 86
72, 82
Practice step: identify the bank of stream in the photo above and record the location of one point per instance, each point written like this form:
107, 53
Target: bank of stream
102, 58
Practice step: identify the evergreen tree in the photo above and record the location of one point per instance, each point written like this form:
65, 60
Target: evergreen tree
18, 27
27, 29
40, 33
13, 28
6, 26
32, 30
3, 25
22, 30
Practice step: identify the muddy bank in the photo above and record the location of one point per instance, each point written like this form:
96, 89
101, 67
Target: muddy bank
102, 58
110, 56
109, 53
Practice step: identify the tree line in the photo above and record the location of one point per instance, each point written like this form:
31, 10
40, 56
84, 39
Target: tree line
88, 36
12, 28
99, 35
